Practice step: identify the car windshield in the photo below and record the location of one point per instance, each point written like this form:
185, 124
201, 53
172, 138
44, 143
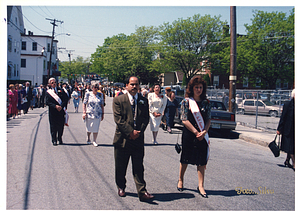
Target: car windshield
268, 103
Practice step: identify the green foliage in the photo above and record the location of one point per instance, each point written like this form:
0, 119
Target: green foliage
265, 53
71, 70
188, 42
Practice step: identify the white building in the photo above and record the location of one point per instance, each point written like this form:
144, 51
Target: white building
15, 27
35, 56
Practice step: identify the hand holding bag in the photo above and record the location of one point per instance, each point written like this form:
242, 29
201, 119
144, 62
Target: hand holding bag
274, 147
177, 146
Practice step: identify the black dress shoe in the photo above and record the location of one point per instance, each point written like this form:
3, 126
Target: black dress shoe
146, 197
121, 192
54, 143
202, 195
60, 142
287, 164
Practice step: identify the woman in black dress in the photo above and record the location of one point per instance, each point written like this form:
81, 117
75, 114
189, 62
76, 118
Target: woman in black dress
194, 146
286, 127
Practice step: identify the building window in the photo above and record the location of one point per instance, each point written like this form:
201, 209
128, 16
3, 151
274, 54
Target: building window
24, 45
34, 46
216, 80
9, 43
278, 83
258, 82
8, 71
245, 82
15, 70
23, 63
285, 84
48, 47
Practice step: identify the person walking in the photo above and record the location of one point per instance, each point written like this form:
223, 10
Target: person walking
41, 96
19, 105
171, 110
34, 98
157, 105
131, 115
286, 128
13, 101
75, 95
196, 116
56, 99
24, 99
93, 112
28, 96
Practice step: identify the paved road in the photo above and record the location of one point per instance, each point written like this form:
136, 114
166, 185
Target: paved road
80, 176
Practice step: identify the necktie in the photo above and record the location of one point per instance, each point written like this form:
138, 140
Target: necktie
133, 106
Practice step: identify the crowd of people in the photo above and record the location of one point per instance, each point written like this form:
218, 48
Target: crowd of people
133, 109
22, 97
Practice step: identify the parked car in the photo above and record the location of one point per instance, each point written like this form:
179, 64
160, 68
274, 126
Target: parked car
265, 107
221, 119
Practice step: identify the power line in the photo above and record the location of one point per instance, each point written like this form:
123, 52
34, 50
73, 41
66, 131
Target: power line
31, 22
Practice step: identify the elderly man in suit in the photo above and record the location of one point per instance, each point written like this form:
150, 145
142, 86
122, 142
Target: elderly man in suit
29, 96
131, 115
57, 100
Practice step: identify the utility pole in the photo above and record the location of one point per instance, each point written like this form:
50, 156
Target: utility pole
51, 47
232, 77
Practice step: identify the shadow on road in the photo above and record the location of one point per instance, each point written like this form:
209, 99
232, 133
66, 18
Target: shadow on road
166, 197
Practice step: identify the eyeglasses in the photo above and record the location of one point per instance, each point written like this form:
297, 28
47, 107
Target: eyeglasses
53, 82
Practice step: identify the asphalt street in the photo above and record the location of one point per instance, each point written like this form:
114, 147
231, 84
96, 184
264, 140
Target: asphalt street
76, 176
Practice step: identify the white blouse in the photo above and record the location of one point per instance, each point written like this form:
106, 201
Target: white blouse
157, 104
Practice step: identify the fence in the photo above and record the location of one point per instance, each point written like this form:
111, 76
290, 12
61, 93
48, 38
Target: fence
257, 108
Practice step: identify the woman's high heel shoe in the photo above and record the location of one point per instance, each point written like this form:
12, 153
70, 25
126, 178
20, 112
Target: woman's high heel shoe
203, 195
179, 189
287, 164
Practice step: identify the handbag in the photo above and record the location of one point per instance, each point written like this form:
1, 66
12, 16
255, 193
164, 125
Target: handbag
177, 146
274, 147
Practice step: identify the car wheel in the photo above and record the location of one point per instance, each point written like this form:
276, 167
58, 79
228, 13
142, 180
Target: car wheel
273, 113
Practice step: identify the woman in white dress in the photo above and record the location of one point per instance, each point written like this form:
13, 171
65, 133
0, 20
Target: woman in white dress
93, 112
157, 105
76, 99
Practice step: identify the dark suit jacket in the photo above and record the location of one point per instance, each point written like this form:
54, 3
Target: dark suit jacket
29, 94
56, 116
124, 119
287, 127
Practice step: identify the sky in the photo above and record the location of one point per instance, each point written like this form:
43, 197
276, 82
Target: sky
90, 24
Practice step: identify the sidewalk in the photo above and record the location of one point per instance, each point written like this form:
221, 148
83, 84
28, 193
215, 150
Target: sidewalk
256, 136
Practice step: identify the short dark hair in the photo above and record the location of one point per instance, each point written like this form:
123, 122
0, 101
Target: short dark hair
127, 79
196, 80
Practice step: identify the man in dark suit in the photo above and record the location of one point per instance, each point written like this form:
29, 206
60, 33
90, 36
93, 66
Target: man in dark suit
131, 115
57, 100
28, 96
41, 96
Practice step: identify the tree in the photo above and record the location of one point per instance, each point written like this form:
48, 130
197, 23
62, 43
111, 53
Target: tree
74, 69
122, 56
269, 48
188, 43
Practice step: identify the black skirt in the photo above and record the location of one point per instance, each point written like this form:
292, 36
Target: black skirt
193, 151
